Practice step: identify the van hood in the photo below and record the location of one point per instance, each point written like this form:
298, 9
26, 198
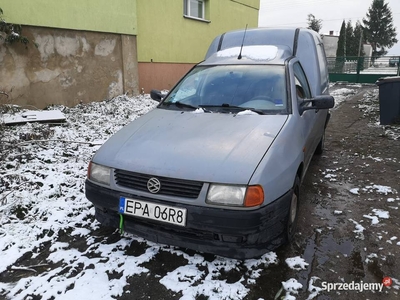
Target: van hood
207, 147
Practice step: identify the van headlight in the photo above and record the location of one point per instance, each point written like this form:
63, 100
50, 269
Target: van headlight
235, 195
99, 173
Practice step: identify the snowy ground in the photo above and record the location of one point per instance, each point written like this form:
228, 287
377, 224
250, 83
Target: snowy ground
43, 209
369, 104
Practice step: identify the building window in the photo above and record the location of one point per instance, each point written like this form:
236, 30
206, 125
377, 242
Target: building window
195, 9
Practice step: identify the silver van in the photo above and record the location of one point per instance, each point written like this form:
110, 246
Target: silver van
217, 166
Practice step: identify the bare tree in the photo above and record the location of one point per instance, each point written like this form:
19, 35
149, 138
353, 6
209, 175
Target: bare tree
313, 23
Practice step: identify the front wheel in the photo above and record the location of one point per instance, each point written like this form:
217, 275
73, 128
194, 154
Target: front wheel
291, 224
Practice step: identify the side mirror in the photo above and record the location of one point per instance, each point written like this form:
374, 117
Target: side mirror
318, 102
156, 95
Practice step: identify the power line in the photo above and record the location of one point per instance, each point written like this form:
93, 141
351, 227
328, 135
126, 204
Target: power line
305, 21
289, 4
271, 6
328, 20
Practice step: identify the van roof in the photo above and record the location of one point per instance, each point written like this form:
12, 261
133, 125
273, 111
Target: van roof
260, 36
253, 54
302, 43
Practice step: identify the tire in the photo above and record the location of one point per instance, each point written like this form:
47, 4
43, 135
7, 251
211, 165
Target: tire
292, 217
321, 145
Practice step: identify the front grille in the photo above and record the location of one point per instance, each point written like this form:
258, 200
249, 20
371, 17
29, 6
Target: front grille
169, 186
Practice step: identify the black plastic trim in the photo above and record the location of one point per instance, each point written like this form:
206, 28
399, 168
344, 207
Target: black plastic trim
239, 234
296, 41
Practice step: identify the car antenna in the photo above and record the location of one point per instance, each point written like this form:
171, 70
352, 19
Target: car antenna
241, 47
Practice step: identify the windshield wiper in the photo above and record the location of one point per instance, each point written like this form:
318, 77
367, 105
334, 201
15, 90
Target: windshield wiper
228, 106
181, 104
185, 105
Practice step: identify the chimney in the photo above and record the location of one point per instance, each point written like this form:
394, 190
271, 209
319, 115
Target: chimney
331, 32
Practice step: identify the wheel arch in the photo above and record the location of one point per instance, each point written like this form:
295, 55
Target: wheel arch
300, 170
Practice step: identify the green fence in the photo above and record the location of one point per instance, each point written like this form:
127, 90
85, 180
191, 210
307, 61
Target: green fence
362, 69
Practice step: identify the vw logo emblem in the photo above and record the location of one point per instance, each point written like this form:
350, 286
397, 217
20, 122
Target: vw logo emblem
153, 185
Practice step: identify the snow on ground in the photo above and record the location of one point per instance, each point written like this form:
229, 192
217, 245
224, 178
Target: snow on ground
369, 105
342, 94
42, 192
296, 263
43, 207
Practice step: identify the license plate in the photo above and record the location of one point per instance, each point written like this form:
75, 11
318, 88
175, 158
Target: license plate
148, 210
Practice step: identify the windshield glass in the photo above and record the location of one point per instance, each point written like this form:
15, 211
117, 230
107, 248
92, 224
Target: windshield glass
258, 87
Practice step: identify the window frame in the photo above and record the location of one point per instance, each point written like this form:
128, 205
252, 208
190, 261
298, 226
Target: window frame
300, 75
186, 10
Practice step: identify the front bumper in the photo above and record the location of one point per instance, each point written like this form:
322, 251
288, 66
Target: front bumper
238, 234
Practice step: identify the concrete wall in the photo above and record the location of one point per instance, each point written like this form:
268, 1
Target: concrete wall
94, 53
368, 50
68, 67
91, 56
166, 36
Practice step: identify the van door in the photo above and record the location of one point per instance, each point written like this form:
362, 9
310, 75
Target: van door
311, 119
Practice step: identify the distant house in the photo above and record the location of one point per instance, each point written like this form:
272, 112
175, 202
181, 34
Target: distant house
98, 49
330, 44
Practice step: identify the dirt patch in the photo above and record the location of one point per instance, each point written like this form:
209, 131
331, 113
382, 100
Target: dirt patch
349, 230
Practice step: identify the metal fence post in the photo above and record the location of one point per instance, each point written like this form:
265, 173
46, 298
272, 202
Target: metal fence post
358, 68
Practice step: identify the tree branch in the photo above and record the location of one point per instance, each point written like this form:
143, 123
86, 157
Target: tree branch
63, 141
3, 200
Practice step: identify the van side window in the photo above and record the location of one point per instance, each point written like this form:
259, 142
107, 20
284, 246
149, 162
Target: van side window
302, 87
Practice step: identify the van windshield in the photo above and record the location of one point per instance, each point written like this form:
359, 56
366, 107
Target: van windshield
257, 87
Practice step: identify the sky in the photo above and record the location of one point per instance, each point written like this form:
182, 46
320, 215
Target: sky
293, 13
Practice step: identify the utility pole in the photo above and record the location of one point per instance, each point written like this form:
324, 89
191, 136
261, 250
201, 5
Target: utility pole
359, 46
359, 61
